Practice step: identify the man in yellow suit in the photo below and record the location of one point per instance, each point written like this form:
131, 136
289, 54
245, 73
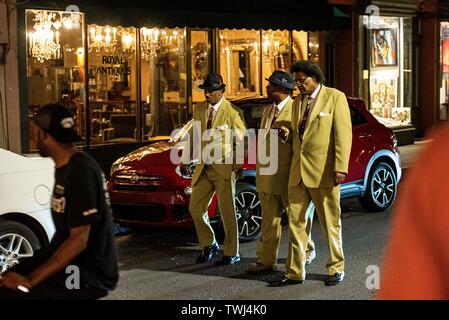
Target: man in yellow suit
222, 128
322, 139
272, 175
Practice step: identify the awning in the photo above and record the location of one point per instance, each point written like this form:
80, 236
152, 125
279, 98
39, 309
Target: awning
231, 14
396, 8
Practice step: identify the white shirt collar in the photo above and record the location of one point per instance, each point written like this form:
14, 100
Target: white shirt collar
315, 93
282, 104
217, 105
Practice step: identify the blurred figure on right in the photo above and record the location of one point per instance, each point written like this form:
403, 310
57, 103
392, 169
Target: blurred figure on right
417, 257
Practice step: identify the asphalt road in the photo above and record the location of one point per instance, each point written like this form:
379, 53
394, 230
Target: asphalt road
161, 265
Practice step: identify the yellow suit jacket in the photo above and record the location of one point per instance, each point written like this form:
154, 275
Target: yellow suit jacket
228, 117
327, 140
278, 182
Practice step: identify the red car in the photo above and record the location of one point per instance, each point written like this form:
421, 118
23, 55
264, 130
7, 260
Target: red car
147, 189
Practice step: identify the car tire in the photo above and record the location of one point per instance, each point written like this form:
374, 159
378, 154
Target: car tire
248, 211
10, 234
381, 188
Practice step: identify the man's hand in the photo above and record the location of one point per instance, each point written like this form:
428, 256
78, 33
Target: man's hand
12, 280
283, 133
339, 177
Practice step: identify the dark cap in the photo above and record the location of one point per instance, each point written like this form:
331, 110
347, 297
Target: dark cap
58, 121
213, 82
282, 79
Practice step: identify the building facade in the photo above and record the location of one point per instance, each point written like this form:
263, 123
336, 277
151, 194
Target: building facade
130, 72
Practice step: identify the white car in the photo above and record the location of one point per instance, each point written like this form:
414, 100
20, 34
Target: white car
26, 186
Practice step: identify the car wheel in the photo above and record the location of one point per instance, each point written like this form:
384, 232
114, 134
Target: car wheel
248, 212
17, 241
381, 188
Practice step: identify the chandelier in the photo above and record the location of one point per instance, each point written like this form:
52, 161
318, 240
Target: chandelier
150, 44
43, 42
154, 42
270, 48
110, 40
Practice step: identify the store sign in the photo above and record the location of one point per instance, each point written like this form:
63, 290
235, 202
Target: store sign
110, 66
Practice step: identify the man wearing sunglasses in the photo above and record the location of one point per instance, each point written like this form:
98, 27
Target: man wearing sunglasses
322, 138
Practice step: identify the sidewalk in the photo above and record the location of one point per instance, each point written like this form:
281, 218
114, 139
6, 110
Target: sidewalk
410, 152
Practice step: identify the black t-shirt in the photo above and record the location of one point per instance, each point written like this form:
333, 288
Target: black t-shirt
80, 198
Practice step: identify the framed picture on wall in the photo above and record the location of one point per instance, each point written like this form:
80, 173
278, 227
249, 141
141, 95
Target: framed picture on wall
384, 47
383, 96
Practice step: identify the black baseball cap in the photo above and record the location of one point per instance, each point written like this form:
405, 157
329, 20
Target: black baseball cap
58, 121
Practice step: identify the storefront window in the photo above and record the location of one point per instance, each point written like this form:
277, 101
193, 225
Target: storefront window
299, 45
275, 53
112, 84
239, 62
163, 76
55, 62
444, 88
313, 44
389, 71
200, 65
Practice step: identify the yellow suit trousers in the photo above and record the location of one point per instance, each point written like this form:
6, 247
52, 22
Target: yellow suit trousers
208, 183
268, 245
327, 202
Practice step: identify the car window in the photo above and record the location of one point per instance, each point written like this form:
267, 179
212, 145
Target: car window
356, 117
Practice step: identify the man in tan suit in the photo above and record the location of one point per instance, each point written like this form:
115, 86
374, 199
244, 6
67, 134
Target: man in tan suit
322, 138
273, 186
216, 120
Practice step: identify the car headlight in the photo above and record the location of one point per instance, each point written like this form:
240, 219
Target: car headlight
116, 165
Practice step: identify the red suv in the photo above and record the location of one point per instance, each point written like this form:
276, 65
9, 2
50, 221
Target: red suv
147, 189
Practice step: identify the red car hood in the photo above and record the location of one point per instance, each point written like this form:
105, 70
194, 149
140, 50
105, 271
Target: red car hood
157, 153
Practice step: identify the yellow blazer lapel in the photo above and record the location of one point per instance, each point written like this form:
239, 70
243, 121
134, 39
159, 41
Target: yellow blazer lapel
285, 114
319, 103
220, 114
203, 115
298, 109
266, 116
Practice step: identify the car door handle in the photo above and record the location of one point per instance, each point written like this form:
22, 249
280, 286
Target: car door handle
364, 135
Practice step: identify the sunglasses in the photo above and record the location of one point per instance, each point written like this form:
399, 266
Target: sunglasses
301, 80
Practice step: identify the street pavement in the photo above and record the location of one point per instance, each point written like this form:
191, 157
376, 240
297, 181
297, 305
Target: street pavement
160, 264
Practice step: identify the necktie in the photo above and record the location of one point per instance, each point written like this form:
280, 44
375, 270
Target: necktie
210, 118
302, 126
276, 114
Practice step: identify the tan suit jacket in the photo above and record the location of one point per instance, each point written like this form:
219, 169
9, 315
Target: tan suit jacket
228, 117
278, 182
326, 143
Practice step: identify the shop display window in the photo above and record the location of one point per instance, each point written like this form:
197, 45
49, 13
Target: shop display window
55, 62
163, 80
275, 53
387, 80
112, 84
239, 59
200, 64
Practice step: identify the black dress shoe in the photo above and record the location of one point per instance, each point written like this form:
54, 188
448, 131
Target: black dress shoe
284, 281
335, 279
208, 253
228, 260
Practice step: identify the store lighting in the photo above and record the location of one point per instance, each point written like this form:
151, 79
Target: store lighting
44, 42
153, 42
